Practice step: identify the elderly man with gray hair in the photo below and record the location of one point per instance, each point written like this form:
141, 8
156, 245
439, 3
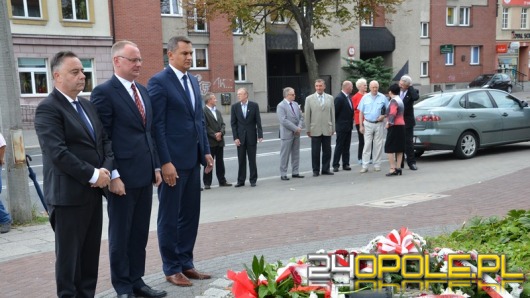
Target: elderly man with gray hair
409, 95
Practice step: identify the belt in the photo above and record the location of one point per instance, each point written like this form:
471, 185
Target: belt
371, 121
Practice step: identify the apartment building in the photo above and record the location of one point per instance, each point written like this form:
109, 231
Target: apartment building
513, 38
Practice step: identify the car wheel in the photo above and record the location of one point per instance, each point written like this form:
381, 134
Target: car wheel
418, 152
467, 145
509, 89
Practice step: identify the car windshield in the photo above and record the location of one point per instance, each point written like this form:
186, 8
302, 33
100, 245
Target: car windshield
483, 78
434, 100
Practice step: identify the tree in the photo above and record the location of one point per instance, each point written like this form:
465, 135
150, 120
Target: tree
315, 18
370, 69
17, 193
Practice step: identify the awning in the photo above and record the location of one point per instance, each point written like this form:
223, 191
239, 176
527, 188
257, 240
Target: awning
377, 40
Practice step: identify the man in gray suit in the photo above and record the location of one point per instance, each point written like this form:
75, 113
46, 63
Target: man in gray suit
291, 124
215, 129
320, 116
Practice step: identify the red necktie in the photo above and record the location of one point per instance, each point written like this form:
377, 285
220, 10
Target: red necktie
138, 103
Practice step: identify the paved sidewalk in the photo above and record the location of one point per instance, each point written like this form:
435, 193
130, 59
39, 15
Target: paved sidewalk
302, 222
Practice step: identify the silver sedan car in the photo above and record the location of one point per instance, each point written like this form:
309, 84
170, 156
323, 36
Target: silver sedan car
467, 120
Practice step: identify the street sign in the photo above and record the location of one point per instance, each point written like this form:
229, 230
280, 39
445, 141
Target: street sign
446, 49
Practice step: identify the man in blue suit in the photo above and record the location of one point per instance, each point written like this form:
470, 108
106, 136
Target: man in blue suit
182, 144
125, 110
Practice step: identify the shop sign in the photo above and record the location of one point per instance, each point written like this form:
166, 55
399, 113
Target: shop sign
502, 48
446, 49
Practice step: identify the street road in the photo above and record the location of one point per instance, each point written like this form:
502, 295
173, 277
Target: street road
439, 171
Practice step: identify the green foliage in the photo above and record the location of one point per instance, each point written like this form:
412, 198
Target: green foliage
509, 236
370, 69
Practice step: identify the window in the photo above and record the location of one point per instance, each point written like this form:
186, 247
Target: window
197, 20
479, 100
240, 73
368, 21
424, 69
424, 29
451, 16
475, 56
200, 58
238, 26
450, 58
171, 7
503, 100
465, 13
33, 76
88, 70
277, 17
75, 10
26, 8
504, 24
524, 18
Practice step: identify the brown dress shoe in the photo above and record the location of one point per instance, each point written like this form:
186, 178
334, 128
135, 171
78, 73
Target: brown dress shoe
178, 279
194, 274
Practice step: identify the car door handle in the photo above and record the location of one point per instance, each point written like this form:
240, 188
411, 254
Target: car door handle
472, 116
504, 114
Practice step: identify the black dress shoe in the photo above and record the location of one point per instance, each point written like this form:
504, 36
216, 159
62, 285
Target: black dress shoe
346, 168
125, 295
207, 187
225, 184
316, 174
327, 173
253, 184
239, 184
147, 291
284, 178
335, 170
413, 167
297, 176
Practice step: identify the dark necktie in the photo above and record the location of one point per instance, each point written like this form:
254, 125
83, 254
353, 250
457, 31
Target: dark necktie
138, 103
187, 89
292, 109
84, 118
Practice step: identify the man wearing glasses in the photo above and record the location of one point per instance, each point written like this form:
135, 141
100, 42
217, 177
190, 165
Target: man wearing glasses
291, 124
125, 110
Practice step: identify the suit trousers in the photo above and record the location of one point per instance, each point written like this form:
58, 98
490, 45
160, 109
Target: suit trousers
244, 151
317, 143
342, 149
129, 218
409, 145
290, 147
178, 220
374, 137
217, 154
360, 147
77, 245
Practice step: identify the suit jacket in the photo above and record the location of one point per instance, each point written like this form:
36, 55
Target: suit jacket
132, 143
69, 153
408, 102
343, 113
214, 126
320, 120
248, 130
178, 128
289, 122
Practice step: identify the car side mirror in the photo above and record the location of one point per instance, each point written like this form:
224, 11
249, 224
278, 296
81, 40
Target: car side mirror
524, 104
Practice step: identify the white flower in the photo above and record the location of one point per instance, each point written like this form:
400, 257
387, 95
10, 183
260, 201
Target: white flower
313, 295
341, 278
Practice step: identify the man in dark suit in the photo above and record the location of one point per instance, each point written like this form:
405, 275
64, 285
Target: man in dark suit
409, 95
246, 129
77, 159
125, 110
344, 126
182, 145
215, 128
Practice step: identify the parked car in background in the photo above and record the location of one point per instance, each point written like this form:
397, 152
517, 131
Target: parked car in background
499, 81
467, 120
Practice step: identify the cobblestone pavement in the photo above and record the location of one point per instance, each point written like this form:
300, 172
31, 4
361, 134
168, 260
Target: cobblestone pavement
228, 244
